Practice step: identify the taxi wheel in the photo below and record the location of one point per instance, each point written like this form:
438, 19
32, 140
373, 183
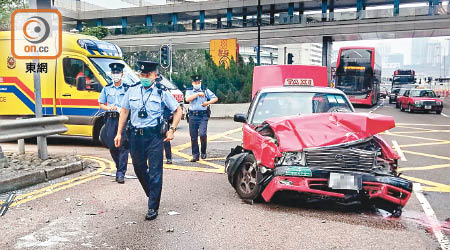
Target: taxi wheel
246, 183
438, 112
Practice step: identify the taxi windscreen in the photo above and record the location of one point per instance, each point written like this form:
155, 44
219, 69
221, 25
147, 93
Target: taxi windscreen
102, 65
272, 105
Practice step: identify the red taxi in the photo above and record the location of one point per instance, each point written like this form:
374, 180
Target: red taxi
308, 139
420, 100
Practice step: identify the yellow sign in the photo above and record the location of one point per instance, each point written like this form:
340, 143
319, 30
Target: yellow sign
355, 67
223, 51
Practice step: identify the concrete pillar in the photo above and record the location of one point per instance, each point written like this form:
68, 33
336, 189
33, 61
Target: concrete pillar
202, 20
79, 25
396, 7
324, 10
331, 10
174, 19
194, 24
229, 17
360, 6
301, 9
219, 22
272, 14
148, 21
244, 17
327, 42
21, 143
291, 12
99, 22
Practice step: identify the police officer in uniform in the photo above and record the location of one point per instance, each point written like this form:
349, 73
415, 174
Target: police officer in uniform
145, 101
199, 99
110, 100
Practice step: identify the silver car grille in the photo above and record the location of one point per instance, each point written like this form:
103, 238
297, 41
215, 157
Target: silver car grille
352, 159
429, 103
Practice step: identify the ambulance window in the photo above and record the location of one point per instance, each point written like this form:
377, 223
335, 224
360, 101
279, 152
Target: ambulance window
74, 68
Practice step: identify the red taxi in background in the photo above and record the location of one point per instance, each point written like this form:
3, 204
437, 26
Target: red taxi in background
299, 135
420, 100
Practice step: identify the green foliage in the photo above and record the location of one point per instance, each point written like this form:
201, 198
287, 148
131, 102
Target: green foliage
232, 85
100, 32
6, 9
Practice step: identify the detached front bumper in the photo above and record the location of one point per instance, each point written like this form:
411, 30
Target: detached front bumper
389, 188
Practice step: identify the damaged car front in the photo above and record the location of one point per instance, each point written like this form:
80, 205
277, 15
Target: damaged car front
310, 140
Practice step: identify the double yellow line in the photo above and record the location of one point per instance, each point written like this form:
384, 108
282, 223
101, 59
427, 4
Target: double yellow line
23, 198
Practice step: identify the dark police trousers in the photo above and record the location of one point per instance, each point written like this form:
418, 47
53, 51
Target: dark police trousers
198, 125
119, 155
147, 154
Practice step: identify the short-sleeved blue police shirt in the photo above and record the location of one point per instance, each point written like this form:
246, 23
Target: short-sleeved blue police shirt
112, 95
137, 96
196, 104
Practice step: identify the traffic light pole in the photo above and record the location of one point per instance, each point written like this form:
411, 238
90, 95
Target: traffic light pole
170, 61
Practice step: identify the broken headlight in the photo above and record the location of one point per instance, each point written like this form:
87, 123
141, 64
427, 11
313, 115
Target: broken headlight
293, 158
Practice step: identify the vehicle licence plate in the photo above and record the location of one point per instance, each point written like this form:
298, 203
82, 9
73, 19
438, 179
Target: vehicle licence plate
427, 107
344, 181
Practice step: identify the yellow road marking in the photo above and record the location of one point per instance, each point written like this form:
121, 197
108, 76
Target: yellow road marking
197, 169
424, 168
413, 128
65, 184
231, 138
427, 155
424, 144
435, 186
215, 159
424, 131
418, 137
422, 124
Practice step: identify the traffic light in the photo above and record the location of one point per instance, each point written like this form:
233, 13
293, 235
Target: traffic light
164, 59
289, 60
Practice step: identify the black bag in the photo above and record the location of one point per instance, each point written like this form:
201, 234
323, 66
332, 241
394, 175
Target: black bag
164, 127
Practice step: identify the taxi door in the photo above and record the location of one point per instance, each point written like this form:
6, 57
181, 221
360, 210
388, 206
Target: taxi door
80, 105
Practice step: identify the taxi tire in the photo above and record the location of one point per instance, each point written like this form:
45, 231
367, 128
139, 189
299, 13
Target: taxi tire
245, 182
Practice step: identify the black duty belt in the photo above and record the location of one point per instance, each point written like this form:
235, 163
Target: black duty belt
145, 131
198, 112
112, 114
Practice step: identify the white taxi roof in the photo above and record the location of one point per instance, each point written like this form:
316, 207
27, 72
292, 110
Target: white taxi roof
302, 89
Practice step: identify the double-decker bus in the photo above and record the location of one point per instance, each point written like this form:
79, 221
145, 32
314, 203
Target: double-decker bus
358, 74
403, 78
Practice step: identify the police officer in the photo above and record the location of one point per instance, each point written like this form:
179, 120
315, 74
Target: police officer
146, 101
110, 100
199, 99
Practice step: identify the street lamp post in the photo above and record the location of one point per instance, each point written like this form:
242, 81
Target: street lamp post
258, 21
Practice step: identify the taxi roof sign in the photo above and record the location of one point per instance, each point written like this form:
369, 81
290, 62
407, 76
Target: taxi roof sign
288, 75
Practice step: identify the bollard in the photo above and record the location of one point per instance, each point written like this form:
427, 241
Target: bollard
3, 162
21, 143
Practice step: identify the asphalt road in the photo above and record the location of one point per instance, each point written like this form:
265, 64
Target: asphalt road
88, 210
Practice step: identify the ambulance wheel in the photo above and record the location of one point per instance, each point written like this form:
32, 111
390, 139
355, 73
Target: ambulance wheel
246, 183
102, 130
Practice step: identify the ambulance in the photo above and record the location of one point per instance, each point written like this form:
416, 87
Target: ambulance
70, 85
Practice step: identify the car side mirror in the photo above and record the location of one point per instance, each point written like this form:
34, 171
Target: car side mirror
438, 96
81, 83
240, 118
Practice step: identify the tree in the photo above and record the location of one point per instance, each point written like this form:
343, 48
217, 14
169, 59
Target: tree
100, 32
6, 9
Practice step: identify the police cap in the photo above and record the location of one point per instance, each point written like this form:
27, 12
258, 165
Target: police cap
116, 67
196, 78
147, 66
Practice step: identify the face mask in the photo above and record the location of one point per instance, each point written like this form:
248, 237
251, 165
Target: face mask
146, 82
196, 86
116, 77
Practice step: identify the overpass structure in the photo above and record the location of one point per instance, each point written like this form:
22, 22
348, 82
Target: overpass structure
193, 24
